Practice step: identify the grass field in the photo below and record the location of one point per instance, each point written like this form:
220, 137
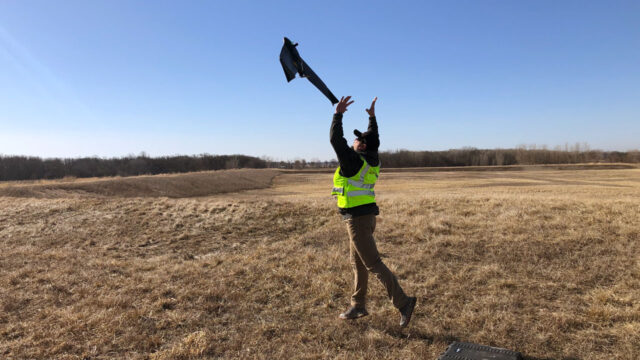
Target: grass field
541, 261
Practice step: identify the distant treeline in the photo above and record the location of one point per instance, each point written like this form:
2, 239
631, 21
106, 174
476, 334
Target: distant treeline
32, 168
520, 156
524, 155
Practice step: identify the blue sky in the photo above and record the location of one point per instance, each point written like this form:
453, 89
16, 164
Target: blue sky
111, 78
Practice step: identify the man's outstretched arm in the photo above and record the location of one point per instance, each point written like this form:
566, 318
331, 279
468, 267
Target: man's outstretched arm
373, 127
349, 160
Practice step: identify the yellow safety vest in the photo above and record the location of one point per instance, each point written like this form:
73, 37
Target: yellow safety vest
358, 189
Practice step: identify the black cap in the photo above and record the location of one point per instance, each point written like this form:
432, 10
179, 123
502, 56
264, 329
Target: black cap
371, 139
361, 136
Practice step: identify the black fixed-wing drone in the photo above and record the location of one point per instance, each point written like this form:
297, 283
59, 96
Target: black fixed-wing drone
292, 63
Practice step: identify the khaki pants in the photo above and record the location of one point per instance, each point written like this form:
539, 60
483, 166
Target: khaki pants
365, 257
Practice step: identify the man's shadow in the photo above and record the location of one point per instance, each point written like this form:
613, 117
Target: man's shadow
406, 334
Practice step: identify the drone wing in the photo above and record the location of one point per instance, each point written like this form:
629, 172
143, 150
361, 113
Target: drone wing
288, 63
315, 80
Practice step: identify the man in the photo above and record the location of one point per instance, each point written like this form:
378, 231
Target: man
353, 184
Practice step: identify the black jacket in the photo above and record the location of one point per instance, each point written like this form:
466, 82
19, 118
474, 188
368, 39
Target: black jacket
350, 161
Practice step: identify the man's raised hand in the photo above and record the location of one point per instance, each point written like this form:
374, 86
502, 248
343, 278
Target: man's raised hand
343, 104
372, 110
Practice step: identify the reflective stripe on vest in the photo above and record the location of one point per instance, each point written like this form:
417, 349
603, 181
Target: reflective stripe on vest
361, 192
360, 184
364, 172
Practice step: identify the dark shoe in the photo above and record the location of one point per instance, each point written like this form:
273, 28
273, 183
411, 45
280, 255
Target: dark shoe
354, 313
406, 311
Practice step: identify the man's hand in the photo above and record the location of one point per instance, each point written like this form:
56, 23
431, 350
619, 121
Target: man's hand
372, 110
343, 104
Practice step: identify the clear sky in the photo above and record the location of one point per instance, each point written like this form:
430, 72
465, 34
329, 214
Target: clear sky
117, 77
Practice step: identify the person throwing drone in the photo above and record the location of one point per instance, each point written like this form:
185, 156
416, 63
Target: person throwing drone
353, 186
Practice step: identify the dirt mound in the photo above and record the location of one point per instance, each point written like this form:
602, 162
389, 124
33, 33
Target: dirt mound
173, 186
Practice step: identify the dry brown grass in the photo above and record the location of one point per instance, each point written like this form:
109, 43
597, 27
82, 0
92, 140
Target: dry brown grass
543, 262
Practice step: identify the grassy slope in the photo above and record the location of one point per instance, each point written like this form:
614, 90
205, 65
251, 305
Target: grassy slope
171, 185
542, 262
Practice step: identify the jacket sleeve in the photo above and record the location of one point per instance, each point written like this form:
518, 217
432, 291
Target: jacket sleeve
373, 129
350, 161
